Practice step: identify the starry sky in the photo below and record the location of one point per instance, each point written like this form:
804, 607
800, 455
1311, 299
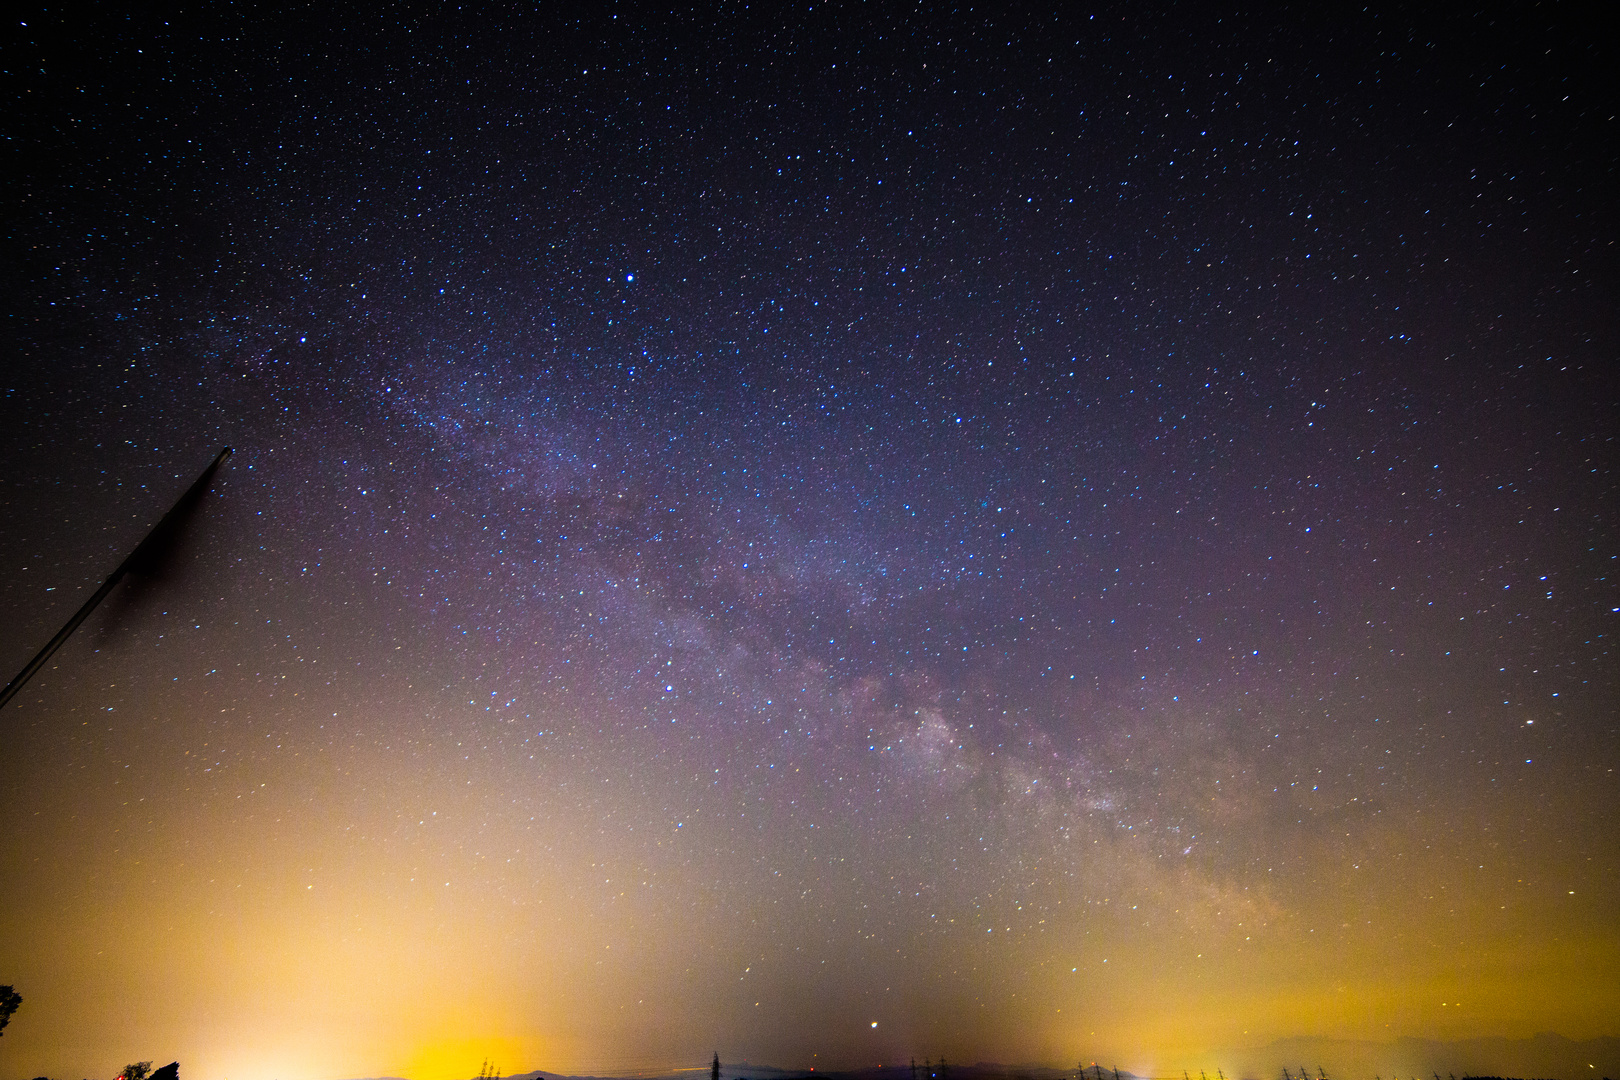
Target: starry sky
831, 532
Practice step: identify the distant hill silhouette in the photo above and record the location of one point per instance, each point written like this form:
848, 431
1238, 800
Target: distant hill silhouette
1543, 1055
982, 1070
1547, 1056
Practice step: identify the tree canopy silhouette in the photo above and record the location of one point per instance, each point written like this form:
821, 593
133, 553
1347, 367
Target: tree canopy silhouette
9, 1000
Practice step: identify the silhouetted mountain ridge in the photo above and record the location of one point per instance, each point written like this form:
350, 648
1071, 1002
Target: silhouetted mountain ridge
1545, 1056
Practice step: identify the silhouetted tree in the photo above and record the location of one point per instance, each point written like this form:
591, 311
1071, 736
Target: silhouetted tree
714, 1069
171, 1071
9, 1000
138, 1071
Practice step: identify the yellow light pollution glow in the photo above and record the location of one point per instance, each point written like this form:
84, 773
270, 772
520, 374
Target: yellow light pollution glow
822, 534
274, 927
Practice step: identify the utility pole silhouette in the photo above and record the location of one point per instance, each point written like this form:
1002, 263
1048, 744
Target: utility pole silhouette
148, 554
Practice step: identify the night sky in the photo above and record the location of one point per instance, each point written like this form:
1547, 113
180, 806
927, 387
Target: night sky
826, 533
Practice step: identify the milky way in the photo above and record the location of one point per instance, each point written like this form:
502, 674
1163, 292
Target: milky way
831, 535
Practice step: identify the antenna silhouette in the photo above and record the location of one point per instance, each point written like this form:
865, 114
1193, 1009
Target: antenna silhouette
146, 553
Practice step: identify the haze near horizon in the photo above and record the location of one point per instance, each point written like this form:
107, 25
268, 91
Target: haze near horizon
834, 534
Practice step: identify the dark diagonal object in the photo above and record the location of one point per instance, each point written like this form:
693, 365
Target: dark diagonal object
146, 556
